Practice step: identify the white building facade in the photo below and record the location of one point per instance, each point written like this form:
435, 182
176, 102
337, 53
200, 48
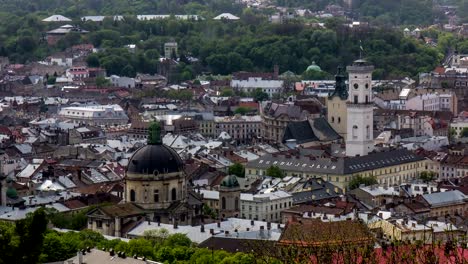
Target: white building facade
250, 84
95, 115
265, 207
240, 128
360, 139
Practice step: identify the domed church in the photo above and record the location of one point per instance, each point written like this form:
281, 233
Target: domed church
156, 187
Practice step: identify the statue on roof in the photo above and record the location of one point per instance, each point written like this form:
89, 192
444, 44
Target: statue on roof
154, 134
341, 88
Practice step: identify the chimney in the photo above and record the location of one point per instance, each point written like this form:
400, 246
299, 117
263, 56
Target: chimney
211, 231
202, 228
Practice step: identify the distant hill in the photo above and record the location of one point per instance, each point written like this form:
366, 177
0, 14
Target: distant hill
389, 12
76, 8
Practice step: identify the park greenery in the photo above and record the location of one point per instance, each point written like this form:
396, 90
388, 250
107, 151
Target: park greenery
365, 180
29, 241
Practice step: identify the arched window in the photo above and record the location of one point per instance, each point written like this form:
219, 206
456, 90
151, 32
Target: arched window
236, 203
223, 203
174, 194
339, 120
368, 132
132, 195
355, 131
333, 119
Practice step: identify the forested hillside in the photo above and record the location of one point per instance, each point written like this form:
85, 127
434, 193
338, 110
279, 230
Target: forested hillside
251, 44
75, 8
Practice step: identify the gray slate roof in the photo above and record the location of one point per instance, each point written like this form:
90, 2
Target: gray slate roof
444, 198
338, 166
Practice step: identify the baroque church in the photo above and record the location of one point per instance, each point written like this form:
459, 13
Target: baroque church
156, 189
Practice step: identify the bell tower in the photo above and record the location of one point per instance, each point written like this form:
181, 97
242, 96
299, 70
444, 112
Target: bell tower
336, 104
360, 139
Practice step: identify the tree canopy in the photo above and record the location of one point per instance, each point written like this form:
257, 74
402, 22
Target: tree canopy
237, 169
275, 172
358, 180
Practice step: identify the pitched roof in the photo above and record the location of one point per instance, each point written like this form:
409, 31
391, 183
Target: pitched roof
445, 198
349, 165
315, 232
56, 18
227, 16
120, 210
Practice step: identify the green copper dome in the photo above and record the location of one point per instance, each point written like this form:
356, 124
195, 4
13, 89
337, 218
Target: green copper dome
314, 67
230, 181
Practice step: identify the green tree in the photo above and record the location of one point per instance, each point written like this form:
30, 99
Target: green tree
275, 172
93, 60
31, 233
237, 169
358, 180
242, 110
128, 71
227, 92
182, 95
102, 82
259, 95
427, 176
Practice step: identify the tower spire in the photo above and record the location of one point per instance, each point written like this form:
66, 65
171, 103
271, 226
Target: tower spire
154, 134
340, 85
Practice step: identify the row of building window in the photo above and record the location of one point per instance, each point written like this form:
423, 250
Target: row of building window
155, 195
